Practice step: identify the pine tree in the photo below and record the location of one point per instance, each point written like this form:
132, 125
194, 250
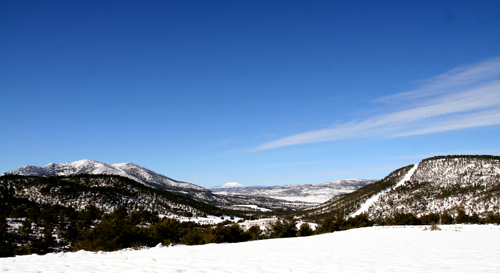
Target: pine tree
254, 233
305, 230
6, 240
446, 219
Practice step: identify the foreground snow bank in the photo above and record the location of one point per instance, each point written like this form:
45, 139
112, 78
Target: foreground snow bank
459, 248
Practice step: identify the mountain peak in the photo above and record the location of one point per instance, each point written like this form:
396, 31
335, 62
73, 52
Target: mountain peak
231, 185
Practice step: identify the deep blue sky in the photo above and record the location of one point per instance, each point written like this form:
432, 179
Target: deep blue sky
254, 92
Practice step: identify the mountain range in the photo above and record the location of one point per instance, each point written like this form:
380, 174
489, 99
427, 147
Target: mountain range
435, 185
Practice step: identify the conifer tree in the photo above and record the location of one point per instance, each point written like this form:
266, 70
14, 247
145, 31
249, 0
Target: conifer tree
6, 240
305, 230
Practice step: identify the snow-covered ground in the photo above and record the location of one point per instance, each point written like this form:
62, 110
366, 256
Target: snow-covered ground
253, 207
459, 248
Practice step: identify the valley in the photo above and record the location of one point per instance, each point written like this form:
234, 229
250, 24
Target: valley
310, 194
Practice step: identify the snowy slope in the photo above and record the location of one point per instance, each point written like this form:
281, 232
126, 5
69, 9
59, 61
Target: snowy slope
368, 203
459, 248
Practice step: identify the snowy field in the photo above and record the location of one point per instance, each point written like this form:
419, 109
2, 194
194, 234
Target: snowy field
456, 248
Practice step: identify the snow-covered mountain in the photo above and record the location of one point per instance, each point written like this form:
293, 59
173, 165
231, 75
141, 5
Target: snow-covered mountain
128, 170
436, 185
312, 194
85, 166
229, 185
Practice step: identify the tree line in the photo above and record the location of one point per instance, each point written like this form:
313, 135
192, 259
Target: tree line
338, 222
57, 228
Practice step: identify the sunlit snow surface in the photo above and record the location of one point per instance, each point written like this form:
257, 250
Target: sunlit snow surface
459, 248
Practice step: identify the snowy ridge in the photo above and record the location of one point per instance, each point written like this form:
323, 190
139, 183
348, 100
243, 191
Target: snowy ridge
85, 166
365, 206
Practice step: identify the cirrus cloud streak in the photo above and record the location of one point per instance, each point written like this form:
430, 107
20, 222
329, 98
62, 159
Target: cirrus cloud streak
464, 97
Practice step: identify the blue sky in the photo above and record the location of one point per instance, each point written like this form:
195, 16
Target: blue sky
254, 92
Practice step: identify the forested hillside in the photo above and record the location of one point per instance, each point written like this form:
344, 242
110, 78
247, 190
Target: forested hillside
105, 192
450, 184
349, 203
444, 189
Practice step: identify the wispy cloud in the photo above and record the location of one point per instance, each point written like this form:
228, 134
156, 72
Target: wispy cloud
464, 97
220, 142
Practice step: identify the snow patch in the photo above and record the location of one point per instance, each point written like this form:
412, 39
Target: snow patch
408, 176
365, 206
253, 207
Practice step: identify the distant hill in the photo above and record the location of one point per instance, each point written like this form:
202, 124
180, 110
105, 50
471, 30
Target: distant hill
228, 186
308, 194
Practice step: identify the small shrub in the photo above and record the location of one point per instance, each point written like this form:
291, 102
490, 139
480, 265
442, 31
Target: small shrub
434, 227
138, 245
